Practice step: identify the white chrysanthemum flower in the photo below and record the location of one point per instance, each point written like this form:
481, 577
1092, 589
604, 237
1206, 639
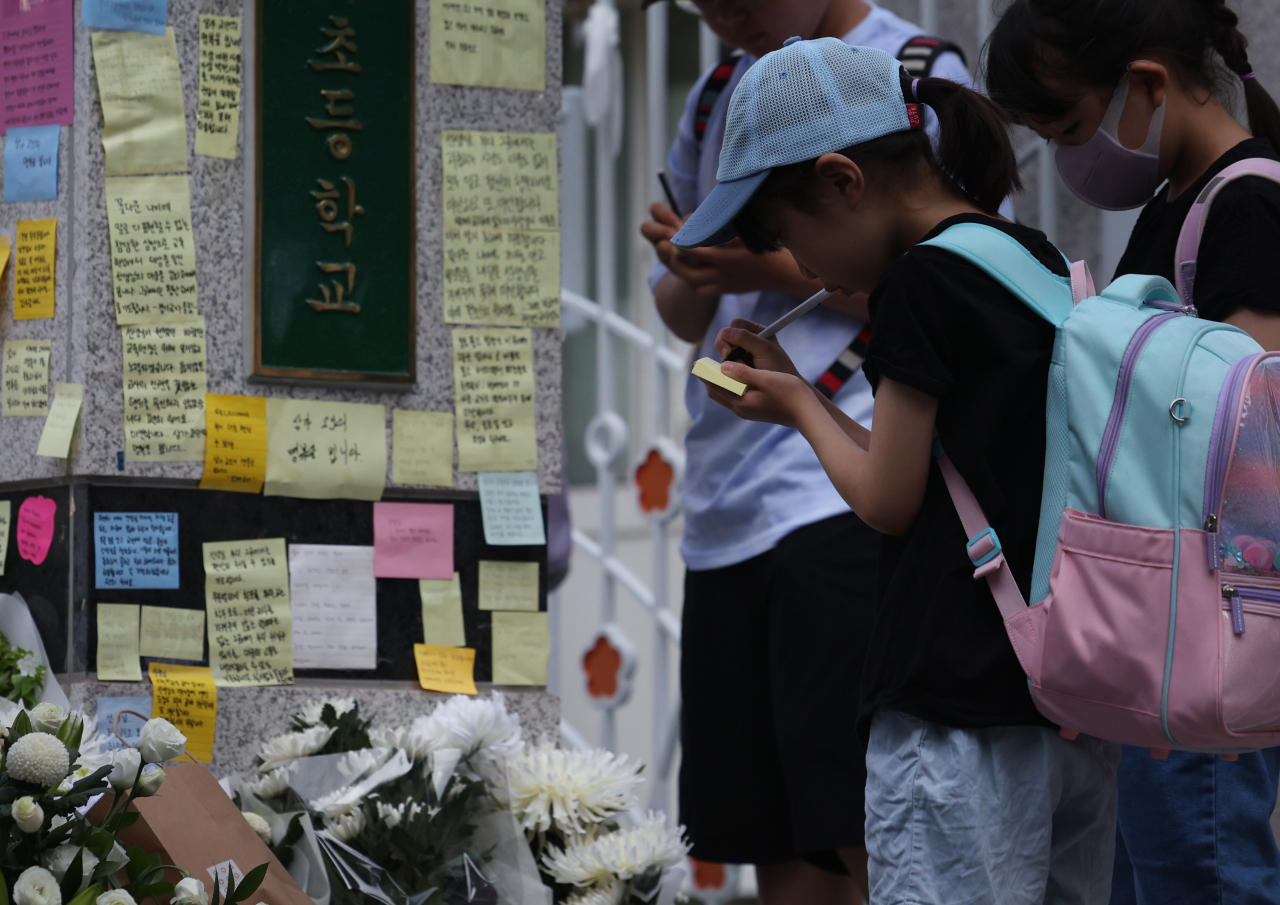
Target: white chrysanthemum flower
609, 893
415, 745
291, 746
624, 854
338, 802
571, 790
355, 764
475, 726
310, 713
39, 758
28, 665
346, 827
259, 825
272, 785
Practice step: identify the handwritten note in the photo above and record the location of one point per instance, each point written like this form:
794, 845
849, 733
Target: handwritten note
164, 386
442, 623
510, 508
493, 393
135, 549
187, 697
218, 110
246, 592
521, 648
26, 377
31, 164
118, 643
36, 520
494, 44
508, 585
413, 540
147, 16
335, 619
325, 450
129, 726
36, 73
33, 286
144, 127
172, 633
6, 512
153, 250
448, 669
60, 425
502, 222
422, 447
235, 449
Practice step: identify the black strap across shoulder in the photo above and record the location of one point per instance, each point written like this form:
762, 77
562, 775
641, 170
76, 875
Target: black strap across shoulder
920, 53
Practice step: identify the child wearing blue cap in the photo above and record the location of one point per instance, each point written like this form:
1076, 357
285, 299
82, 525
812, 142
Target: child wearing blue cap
972, 796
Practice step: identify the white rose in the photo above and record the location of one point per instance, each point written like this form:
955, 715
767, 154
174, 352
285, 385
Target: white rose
125, 764
36, 886
115, 897
161, 741
149, 784
189, 891
58, 860
28, 815
47, 718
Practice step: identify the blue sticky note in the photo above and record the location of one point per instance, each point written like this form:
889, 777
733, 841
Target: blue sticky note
135, 549
147, 16
31, 163
130, 726
510, 508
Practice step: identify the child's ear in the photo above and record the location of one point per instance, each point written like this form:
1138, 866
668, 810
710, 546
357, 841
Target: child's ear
843, 175
1149, 85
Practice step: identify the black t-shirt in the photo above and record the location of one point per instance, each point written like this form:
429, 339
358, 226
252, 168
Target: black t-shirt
1239, 244
938, 647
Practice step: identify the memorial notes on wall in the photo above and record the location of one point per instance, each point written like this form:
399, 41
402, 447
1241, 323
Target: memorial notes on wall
60, 424
235, 451
442, 622
164, 385
218, 109
491, 43
325, 450
144, 126
135, 549
174, 633
510, 508
153, 251
448, 669
34, 257
187, 697
413, 540
493, 394
335, 618
521, 647
147, 16
422, 447
508, 585
26, 377
501, 229
31, 163
36, 70
118, 643
249, 619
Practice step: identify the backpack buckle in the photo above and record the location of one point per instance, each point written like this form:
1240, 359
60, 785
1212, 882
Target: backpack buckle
985, 552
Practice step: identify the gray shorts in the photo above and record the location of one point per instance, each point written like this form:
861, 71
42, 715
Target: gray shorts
1013, 815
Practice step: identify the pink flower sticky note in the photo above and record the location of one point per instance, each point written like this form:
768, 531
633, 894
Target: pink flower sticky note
35, 528
413, 540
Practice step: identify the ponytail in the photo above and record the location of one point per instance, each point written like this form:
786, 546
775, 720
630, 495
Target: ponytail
1231, 45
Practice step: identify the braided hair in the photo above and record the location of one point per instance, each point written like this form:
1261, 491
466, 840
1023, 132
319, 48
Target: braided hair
1092, 42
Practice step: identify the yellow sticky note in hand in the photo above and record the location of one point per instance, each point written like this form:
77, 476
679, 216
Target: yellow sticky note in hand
118, 643
450, 669
187, 697
709, 370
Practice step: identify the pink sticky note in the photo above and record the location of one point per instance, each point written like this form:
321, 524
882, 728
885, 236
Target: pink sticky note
38, 77
35, 528
413, 540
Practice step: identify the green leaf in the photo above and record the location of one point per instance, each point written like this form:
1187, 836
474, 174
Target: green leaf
91, 892
21, 726
75, 873
248, 886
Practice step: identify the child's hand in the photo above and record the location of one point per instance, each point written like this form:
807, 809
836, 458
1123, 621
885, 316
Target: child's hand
774, 397
768, 355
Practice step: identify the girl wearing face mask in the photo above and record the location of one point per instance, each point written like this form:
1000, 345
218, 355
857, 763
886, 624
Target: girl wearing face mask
1128, 89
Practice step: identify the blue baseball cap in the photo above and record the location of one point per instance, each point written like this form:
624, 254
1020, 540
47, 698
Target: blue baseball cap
807, 99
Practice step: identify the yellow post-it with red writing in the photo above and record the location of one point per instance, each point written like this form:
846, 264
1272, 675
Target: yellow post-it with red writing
709, 370
450, 669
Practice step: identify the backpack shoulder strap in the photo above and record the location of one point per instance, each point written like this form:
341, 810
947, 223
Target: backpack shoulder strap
919, 54
1184, 265
1006, 261
712, 88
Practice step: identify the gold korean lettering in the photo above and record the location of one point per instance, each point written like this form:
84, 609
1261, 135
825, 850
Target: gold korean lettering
341, 42
335, 300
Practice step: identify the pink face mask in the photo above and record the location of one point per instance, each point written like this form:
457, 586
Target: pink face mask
1104, 173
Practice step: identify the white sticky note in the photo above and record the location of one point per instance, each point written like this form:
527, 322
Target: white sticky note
335, 620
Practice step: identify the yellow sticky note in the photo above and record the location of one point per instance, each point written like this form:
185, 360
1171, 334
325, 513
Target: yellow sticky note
508, 585
218, 109
235, 450
524, 293
172, 633
450, 669
153, 249
422, 447
118, 643
144, 126
442, 623
326, 450
6, 513
26, 377
494, 44
709, 370
493, 393
60, 424
33, 283
165, 379
521, 648
250, 622
187, 697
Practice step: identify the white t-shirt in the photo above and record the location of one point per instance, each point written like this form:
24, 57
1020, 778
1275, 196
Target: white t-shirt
748, 485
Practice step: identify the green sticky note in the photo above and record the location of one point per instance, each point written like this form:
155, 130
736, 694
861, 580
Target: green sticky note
442, 624
172, 633
118, 654
509, 586
60, 424
521, 648
326, 450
